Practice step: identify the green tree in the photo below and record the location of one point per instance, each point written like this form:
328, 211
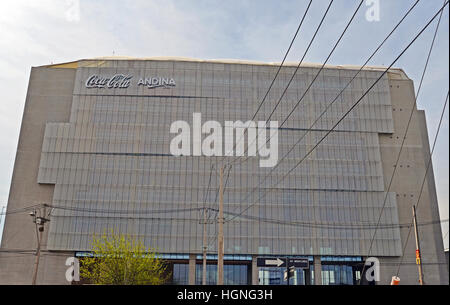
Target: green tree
121, 260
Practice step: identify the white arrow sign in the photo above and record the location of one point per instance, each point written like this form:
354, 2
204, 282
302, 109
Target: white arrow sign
278, 262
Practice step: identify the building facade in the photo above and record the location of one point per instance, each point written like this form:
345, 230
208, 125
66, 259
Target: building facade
95, 148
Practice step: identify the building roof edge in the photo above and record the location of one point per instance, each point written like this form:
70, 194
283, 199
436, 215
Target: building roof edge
397, 73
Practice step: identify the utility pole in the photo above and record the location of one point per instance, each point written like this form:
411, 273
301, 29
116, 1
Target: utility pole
220, 244
39, 223
38, 255
418, 256
205, 246
205, 221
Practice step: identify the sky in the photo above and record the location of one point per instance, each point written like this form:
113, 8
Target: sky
34, 33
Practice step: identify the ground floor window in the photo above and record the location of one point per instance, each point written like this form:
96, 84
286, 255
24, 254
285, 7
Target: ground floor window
180, 274
232, 274
334, 271
341, 270
275, 276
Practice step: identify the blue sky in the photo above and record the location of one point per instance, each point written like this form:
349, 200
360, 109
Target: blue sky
36, 33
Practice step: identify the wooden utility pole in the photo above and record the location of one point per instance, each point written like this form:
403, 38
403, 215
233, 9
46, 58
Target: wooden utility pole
220, 244
205, 246
418, 255
38, 255
39, 222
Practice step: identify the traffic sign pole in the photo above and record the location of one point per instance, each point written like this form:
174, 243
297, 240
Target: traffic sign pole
287, 270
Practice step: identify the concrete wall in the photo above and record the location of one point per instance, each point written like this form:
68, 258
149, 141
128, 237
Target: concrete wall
49, 99
406, 184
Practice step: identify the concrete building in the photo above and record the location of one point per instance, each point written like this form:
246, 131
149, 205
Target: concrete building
94, 147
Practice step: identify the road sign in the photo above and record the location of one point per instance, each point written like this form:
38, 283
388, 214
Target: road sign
281, 262
299, 263
291, 273
271, 262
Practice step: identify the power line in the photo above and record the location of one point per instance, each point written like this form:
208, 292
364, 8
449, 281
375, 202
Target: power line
323, 65
21, 210
434, 143
209, 184
311, 83
340, 93
279, 68
254, 218
284, 59
393, 30
215, 219
362, 226
440, 12
437, 133
207, 191
276, 221
423, 182
407, 263
330, 226
414, 263
345, 87
55, 254
225, 185
351, 108
298, 66
105, 211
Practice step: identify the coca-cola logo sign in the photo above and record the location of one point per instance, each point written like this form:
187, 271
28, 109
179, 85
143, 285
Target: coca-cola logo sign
116, 81
122, 81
